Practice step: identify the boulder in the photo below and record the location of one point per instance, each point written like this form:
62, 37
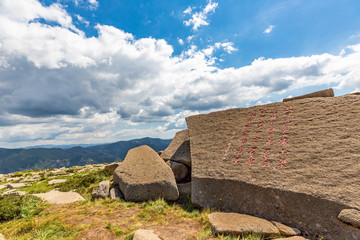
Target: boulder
142, 234
285, 230
111, 167
56, 197
102, 191
323, 93
350, 216
184, 189
179, 149
180, 170
56, 181
15, 185
238, 224
116, 194
295, 162
143, 175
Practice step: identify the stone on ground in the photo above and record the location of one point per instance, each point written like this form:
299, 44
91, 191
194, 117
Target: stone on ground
142, 234
237, 224
102, 191
2, 186
143, 175
295, 162
350, 216
294, 238
180, 170
15, 185
179, 149
56, 181
116, 194
285, 230
56, 197
184, 189
111, 167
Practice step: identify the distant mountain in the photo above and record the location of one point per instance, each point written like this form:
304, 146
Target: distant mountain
12, 160
61, 146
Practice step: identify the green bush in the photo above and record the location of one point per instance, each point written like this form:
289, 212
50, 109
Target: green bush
12, 207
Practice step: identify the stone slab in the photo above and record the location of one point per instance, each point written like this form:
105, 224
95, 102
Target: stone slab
350, 216
57, 197
56, 181
179, 149
295, 162
143, 234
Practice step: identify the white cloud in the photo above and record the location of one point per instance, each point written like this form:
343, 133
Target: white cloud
59, 86
199, 19
93, 4
269, 29
82, 20
181, 42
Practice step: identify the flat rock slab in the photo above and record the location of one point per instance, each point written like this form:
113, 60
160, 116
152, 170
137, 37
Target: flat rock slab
15, 185
56, 181
238, 224
142, 234
350, 216
179, 149
286, 230
57, 197
2, 186
295, 162
143, 175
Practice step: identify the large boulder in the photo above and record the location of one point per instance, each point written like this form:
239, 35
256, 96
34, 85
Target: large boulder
143, 175
179, 149
295, 162
238, 224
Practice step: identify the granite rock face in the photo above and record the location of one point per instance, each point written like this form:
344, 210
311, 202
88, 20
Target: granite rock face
179, 149
143, 175
292, 162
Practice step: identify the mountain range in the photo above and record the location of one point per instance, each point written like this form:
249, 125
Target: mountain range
12, 160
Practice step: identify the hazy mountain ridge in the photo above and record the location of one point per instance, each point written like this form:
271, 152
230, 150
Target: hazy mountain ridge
12, 160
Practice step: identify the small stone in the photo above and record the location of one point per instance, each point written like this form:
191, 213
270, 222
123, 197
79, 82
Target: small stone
56, 181
285, 230
184, 189
115, 193
180, 170
238, 224
142, 234
15, 185
350, 216
102, 191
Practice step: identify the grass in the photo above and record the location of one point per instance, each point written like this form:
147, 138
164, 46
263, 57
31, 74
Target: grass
27, 217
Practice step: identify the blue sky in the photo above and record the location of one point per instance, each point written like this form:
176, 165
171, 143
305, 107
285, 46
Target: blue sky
92, 71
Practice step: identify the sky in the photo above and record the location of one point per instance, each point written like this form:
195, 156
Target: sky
100, 71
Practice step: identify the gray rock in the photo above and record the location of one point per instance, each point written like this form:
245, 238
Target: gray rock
111, 167
56, 181
143, 175
350, 216
15, 185
102, 191
142, 234
184, 189
179, 149
115, 193
180, 170
238, 224
56, 197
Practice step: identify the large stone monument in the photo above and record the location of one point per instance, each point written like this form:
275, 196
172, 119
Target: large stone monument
294, 162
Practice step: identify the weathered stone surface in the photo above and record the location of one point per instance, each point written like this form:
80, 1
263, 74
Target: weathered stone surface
142, 234
285, 230
116, 194
179, 149
350, 216
56, 197
56, 181
14, 193
184, 189
15, 185
237, 224
2, 186
323, 93
311, 169
111, 167
180, 170
143, 175
102, 191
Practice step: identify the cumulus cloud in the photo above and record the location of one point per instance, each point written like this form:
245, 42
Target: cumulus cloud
58, 86
199, 19
269, 29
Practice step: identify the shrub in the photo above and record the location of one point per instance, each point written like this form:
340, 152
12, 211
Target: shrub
12, 207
